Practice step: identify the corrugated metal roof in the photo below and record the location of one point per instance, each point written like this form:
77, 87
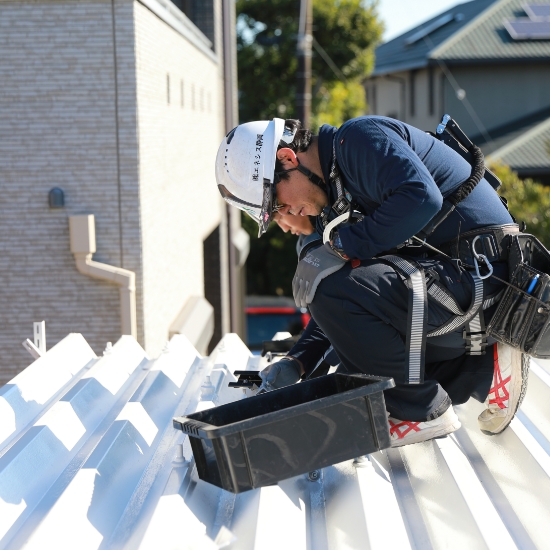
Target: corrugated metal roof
523, 144
486, 38
509, 132
529, 151
476, 33
90, 459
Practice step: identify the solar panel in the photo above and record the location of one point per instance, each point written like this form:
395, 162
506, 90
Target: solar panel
526, 29
537, 11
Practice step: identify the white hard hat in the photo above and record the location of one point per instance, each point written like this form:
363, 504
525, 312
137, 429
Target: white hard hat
245, 167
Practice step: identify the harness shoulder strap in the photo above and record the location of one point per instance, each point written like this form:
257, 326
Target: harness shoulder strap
344, 202
448, 128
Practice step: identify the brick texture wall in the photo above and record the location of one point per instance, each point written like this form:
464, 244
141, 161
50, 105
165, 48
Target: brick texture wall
83, 107
178, 139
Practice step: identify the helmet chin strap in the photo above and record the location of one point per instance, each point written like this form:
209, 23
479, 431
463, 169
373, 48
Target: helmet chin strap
314, 178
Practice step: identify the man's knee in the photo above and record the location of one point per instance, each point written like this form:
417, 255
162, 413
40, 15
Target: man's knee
373, 286
328, 293
323, 302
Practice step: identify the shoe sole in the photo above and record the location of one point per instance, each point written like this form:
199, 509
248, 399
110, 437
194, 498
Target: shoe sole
525, 363
420, 437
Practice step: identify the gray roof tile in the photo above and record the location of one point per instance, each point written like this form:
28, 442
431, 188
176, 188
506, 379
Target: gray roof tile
486, 38
478, 34
397, 55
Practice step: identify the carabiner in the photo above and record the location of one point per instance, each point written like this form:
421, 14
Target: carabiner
327, 233
486, 262
483, 258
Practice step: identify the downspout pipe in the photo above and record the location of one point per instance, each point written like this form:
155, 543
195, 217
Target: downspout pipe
231, 120
83, 246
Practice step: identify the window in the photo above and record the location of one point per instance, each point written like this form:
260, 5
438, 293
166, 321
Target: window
201, 12
412, 93
431, 91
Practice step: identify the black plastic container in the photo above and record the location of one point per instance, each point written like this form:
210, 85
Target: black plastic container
264, 439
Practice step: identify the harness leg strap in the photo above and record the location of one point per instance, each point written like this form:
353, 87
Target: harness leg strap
475, 335
454, 323
418, 313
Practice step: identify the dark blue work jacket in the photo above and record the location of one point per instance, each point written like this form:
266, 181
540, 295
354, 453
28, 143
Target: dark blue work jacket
398, 175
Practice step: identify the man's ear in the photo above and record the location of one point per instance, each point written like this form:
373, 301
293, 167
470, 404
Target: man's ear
286, 155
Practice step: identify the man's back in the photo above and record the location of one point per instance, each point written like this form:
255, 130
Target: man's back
382, 160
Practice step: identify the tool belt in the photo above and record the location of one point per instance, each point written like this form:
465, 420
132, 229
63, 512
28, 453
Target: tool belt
522, 319
493, 242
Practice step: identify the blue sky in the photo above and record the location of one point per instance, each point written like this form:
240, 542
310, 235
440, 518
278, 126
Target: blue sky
401, 15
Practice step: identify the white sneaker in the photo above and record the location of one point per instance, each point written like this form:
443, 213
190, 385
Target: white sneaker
507, 391
404, 432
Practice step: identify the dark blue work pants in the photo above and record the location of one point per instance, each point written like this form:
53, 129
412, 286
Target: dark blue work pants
364, 313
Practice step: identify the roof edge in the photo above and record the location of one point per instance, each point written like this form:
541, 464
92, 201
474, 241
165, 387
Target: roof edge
494, 60
427, 62
388, 69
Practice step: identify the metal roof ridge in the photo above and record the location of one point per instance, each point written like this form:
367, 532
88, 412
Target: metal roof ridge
520, 140
476, 21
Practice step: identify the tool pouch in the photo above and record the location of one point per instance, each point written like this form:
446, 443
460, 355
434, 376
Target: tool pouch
522, 319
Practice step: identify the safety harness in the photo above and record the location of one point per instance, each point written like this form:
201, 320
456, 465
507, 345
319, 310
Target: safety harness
473, 248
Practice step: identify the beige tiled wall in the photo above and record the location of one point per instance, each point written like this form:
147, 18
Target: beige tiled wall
178, 141
143, 167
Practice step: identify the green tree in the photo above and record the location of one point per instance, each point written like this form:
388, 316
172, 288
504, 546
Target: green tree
528, 201
345, 31
272, 260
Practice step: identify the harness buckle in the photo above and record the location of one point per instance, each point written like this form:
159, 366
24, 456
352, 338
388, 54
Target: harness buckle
411, 243
341, 205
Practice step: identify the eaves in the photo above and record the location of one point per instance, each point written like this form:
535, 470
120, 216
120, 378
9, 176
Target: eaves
173, 16
408, 65
427, 62
491, 61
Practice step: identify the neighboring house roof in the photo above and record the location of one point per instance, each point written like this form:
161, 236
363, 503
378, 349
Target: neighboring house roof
474, 33
89, 459
524, 145
530, 153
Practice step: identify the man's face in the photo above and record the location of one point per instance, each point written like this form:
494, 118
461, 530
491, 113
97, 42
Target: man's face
297, 225
300, 196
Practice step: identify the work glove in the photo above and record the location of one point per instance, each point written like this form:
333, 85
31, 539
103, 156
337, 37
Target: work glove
282, 373
317, 264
